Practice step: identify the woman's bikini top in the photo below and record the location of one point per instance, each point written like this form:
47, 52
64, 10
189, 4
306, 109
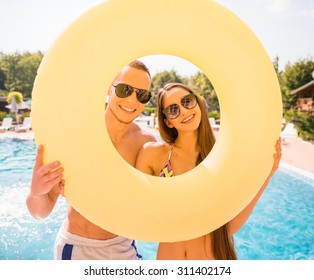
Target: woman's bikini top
167, 170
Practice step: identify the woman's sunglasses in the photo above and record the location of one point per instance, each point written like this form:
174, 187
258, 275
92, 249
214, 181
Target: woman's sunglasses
124, 90
187, 101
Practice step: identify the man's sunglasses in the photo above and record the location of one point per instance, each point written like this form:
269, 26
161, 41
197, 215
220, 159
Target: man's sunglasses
187, 101
124, 90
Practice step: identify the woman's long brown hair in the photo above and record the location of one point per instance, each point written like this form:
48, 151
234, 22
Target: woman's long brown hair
221, 241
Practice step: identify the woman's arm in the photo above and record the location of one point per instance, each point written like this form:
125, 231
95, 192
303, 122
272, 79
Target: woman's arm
236, 223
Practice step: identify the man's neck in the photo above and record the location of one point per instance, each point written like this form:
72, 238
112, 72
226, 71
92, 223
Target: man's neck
117, 130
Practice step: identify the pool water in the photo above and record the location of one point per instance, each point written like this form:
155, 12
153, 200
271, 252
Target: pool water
281, 226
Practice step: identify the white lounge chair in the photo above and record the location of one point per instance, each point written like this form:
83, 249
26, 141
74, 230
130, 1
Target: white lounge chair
26, 126
213, 124
289, 132
6, 124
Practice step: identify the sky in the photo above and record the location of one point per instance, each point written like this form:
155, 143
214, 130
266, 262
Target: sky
284, 27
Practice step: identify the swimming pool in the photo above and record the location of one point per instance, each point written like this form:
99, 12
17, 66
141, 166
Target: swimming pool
281, 226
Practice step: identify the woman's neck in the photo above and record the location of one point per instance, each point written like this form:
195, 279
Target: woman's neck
188, 142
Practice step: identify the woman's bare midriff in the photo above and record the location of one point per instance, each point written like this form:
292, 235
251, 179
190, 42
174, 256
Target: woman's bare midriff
77, 224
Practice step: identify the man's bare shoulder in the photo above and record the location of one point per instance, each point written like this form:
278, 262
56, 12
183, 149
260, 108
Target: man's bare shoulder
143, 135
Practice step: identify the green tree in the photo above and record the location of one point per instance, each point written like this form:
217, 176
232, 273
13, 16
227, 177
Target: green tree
14, 94
303, 122
20, 71
285, 92
2, 79
8, 64
205, 88
162, 78
294, 76
27, 71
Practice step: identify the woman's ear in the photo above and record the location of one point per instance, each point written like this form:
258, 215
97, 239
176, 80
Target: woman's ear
166, 121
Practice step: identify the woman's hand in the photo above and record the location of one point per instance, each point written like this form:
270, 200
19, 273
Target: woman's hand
277, 157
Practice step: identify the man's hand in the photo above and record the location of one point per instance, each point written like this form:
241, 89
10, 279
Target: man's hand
46, 177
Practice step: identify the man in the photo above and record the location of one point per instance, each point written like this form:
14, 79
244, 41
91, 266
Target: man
78, 238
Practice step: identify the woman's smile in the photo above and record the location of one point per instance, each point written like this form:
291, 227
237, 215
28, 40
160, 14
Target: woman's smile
188, 119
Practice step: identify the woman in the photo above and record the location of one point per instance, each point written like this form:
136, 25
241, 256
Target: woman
188, 139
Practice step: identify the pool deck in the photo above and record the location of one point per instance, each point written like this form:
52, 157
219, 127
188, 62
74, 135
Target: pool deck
297, 155
299, 152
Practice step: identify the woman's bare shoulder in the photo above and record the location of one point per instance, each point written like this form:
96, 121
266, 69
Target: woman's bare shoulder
156, 147
154, 152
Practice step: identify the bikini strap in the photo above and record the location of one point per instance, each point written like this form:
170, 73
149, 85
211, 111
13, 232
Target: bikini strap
170, 153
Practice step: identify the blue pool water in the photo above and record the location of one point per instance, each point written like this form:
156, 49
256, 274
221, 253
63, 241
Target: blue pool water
281, 226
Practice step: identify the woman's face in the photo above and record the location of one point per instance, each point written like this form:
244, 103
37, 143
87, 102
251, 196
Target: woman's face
188, 119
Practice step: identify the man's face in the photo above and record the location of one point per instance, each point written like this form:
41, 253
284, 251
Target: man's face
127, 109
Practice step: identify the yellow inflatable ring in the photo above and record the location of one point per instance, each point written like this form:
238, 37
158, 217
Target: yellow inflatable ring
68, 116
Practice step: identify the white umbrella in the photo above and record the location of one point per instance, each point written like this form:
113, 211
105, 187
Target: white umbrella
14, 107
21, 106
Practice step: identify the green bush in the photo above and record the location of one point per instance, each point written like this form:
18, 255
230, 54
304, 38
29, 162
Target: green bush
3, 93
23, 116
214, 114
303, 123
3, 115
12, 115
149, 110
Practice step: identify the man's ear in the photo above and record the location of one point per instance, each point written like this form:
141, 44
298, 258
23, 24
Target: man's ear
111, 91
166, 121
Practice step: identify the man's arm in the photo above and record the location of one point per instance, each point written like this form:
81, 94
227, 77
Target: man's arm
143, 161
46, 186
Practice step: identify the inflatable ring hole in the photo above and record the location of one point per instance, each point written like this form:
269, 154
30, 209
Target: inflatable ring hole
147, 119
